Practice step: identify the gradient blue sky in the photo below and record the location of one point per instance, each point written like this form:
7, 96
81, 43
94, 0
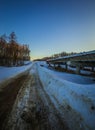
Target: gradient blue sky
50, 26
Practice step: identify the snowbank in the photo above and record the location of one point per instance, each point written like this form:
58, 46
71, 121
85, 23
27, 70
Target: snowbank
7, 73
67, 96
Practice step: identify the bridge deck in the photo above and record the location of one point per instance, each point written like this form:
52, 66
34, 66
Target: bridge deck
78, 60
85, 56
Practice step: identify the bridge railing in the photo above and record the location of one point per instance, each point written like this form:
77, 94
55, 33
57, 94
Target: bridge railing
78, 60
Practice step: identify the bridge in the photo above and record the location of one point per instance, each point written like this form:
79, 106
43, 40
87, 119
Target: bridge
84, 59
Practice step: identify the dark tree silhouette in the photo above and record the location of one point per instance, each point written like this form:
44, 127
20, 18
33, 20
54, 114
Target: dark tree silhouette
12, 53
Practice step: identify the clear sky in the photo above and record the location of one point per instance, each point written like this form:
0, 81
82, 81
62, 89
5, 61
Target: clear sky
50, 26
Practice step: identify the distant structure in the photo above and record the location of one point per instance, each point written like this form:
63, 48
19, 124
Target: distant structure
11, 52
79, 60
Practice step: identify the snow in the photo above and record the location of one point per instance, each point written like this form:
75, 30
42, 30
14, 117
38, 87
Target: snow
67, 89
9, 72
70, 77
81, 71
64, 90
27, 62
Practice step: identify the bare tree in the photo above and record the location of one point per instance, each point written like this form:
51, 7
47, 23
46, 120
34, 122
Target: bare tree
12, 53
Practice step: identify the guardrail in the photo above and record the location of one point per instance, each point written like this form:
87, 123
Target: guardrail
78, 60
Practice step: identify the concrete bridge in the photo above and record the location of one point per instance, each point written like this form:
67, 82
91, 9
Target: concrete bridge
80, 60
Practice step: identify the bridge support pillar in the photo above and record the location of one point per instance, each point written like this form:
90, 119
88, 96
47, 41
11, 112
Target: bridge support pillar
54, 65
92, 69
77, 69
66, 66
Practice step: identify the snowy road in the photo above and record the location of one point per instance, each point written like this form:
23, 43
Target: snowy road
39, 100
32, 109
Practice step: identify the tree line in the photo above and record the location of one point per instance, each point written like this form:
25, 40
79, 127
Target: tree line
11, 52
58, 55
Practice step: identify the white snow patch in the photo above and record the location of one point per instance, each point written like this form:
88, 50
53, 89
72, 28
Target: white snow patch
8, 72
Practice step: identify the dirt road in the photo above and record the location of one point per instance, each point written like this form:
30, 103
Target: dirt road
26, 106
8, 96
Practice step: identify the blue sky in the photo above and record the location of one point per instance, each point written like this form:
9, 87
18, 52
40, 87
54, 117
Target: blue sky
50, 26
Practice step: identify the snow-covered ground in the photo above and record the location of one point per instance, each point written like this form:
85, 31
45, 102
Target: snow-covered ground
72, 95
70, 77
73, 92
9, 72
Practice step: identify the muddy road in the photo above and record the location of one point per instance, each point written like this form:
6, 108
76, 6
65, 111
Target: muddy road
26, 106
8, 96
